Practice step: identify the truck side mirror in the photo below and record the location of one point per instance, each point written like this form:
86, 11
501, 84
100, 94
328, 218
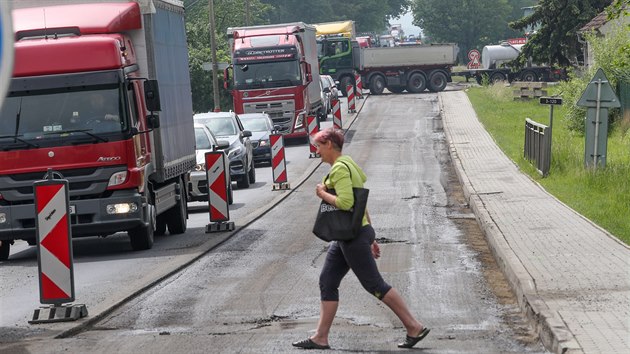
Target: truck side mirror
153, 121
152, 95
227, 83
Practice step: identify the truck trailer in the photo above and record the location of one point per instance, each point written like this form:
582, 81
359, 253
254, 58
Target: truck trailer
274, 70
494, 65
411, 68
126, 173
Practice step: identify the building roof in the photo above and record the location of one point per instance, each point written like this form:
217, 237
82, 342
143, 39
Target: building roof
597, 22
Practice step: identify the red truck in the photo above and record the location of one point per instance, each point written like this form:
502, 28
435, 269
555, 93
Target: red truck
88, 82
275, 71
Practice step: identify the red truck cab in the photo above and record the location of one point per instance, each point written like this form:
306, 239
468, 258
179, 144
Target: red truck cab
272, 74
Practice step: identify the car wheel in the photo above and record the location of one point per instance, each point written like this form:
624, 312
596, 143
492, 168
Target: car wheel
252, 174
5, 247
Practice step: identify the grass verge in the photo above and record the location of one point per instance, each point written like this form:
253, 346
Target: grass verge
602, 195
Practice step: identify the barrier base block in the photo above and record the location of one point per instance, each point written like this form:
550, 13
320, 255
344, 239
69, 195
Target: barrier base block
280, 186
61, 313
314, 155
220, 226
352, 111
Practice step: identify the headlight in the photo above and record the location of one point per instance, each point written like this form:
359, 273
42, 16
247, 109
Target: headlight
200, 166
299, 122
121, 208
263, 142
235, 152
117, 179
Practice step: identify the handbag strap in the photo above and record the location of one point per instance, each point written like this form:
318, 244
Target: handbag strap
349, 171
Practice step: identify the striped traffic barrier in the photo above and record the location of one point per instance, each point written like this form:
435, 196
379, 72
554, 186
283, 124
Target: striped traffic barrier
351, 103
54, 253
359, 84
216, 175
313, 128
337, 123
278, 162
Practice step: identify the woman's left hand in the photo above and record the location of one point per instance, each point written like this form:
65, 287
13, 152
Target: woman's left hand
376, 250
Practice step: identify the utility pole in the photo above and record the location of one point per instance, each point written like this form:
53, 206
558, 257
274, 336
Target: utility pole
215, 65
246, 12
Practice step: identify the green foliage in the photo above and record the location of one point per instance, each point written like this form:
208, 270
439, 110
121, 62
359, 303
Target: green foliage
610, 54
470, 24
601, 195
556, 41
369, 15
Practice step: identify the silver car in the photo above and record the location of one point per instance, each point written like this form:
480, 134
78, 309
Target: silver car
198, 184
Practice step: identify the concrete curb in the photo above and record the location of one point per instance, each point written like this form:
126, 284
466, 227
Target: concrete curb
552, 331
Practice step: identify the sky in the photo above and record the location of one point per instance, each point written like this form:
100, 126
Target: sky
406, 20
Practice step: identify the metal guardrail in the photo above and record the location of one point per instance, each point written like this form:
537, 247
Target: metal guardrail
538, 145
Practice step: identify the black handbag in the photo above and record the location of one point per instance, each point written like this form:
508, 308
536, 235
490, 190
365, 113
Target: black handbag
334, 224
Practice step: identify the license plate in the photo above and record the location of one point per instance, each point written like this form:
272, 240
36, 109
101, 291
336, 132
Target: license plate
73, 209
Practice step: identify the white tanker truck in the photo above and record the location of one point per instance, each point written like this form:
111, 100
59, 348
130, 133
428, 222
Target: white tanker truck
493, 65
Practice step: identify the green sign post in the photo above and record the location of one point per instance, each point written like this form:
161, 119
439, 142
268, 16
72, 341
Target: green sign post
598, 97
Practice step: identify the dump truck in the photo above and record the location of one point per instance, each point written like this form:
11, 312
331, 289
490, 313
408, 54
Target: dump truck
126, 173
274, 70
337, 50
411, 68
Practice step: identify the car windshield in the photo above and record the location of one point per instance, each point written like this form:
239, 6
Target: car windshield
221, 126
257, 124
201, 138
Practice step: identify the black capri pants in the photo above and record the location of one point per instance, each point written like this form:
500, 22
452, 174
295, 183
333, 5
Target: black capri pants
356, 255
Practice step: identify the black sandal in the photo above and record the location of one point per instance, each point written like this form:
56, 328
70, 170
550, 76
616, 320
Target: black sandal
411, 341
309, 344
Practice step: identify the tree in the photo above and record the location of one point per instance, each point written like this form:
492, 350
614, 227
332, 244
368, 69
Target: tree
469, 23
227, 14
556, 41
369, 15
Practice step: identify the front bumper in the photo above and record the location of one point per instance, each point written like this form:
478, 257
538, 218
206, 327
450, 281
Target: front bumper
90, 218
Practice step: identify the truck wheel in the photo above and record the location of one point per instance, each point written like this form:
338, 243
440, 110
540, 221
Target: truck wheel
496, 77
160, 225
396, 89
377, 85
5, 247
344, 82
177, 216
529, 76
417, 83
141, 237
437, 81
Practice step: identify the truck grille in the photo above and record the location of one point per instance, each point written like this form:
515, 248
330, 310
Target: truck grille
282, 113
83, 183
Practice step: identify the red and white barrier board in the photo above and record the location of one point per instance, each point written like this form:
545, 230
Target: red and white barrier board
313, 128
54, 244
218, 192
357, 79
336, 110
278, 162
351, 103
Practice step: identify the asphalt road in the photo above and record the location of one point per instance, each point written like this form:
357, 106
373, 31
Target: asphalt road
258, 292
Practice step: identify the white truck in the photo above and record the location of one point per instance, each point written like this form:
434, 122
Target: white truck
411, 68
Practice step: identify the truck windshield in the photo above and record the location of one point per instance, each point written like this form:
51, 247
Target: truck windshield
51, 114
267, 74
